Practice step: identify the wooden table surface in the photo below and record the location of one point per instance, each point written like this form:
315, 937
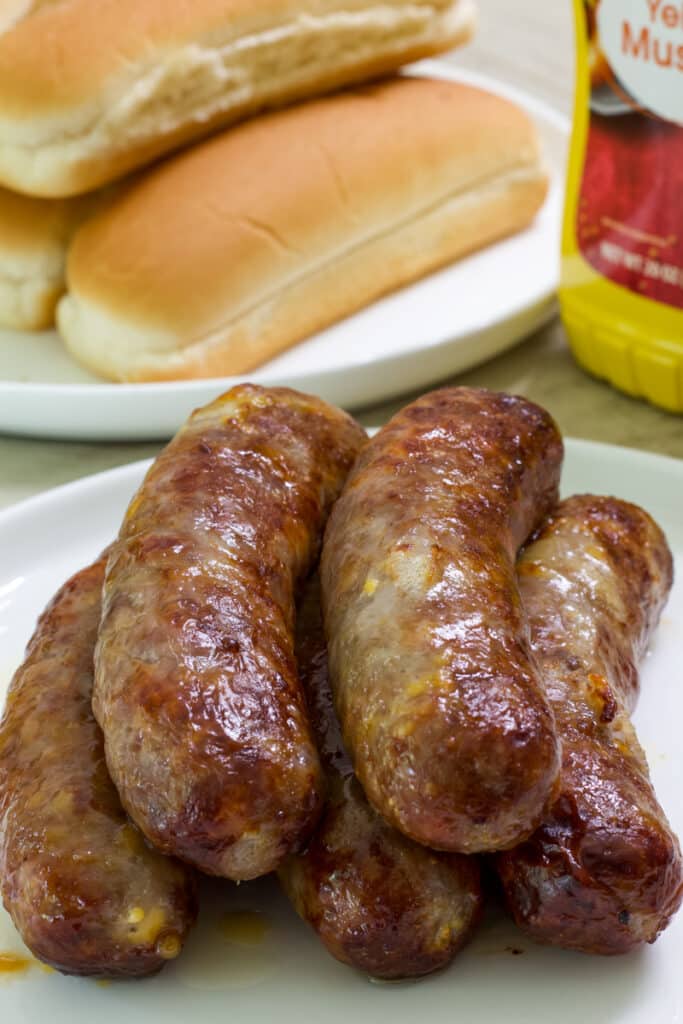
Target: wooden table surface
530, 45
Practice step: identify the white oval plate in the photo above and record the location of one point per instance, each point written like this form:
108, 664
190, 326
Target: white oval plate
288, 977
442, 325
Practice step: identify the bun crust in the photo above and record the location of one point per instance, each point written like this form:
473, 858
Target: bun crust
231, 252
34, 235
90, 89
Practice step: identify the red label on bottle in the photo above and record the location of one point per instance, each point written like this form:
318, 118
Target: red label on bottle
630, 212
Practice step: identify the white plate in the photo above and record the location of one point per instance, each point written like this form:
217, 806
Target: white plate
289, 977
442, 325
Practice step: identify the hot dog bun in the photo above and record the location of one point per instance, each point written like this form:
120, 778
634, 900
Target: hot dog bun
34, 234
90, 89
231, 252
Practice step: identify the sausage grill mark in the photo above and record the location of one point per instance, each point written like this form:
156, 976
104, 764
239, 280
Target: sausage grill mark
84, 890
603, 873
196, 687
441, 705
378, 901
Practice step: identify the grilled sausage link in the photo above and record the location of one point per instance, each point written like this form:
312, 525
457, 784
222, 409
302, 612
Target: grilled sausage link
378, 901
603, 873
196, 687
82, 887
441, 705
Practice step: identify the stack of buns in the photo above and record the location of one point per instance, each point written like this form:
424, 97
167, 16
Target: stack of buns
215, 259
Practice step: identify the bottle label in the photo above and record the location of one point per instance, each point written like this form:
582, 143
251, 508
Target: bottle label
630, 213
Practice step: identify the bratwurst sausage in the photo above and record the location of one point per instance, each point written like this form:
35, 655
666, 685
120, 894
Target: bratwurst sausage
378, 901
196, 687
603, 873
441, 705
83, 888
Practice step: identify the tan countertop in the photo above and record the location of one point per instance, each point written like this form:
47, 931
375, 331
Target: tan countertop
531, 46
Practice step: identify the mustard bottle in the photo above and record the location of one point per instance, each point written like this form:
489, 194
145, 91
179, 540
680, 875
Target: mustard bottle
621, 294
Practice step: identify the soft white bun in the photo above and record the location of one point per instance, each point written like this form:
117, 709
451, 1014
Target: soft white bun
90, 89
34, 235
14, 11
231, 252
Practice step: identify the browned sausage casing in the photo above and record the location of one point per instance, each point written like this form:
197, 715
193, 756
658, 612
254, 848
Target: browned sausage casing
441, 705
196, 686
603, 873
378, 901
81, 885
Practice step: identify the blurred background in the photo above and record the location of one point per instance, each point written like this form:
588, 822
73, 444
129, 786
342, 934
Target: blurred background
529, 45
